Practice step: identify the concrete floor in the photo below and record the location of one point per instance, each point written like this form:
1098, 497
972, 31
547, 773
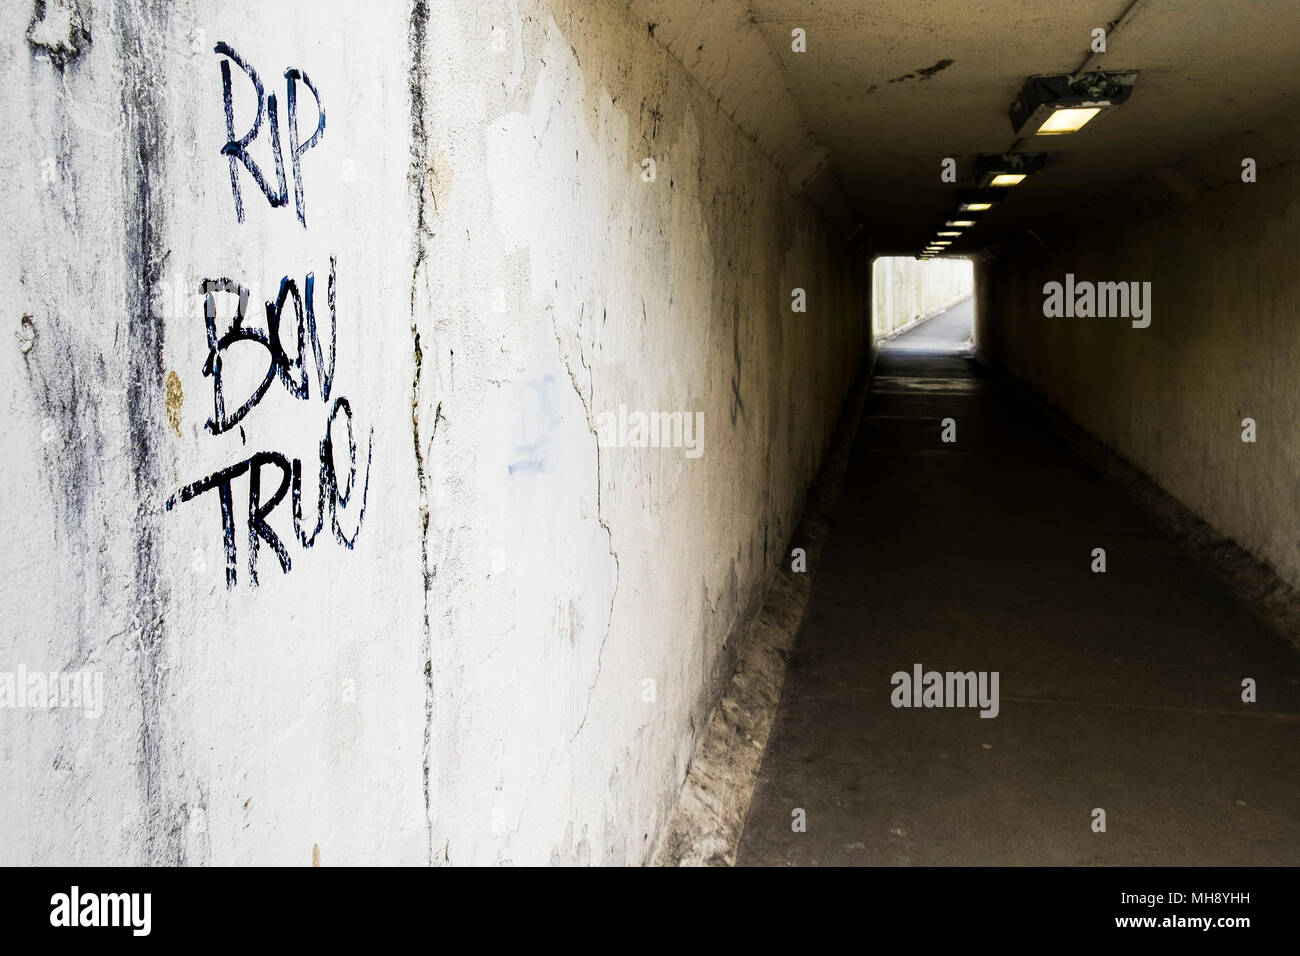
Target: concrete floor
947, 331
1119, 690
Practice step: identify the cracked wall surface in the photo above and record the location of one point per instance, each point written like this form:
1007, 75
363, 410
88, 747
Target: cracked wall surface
671, 295
505, 636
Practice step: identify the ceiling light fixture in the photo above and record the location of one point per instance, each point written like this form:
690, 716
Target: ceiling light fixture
1056, 104
1009, 169
978, 200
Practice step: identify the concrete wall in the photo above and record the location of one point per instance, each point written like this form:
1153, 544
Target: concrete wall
505, 636
1223, 345
904, 289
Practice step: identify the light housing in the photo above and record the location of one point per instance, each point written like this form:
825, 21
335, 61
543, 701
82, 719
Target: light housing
1009, 169
1056, 104
978, 200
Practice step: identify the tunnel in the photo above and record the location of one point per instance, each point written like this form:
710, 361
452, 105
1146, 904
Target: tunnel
650, 433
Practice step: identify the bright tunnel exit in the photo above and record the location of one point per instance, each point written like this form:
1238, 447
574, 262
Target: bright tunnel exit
926, 305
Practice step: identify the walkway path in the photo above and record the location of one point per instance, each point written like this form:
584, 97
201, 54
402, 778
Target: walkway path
1119, 691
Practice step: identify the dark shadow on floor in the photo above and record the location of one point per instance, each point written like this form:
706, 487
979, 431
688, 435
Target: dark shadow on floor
1119, 691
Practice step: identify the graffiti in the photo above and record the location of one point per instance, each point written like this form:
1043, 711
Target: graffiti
236, 149
290, 370
330, 496
272, 476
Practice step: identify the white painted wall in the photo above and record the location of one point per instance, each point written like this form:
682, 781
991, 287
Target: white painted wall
904, 289
469, 683
229, 732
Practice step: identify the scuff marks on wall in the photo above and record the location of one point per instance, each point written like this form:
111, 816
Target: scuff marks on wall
925, 73
142, 24
737, 405
72, 429
26, 334
58, 31
651, 116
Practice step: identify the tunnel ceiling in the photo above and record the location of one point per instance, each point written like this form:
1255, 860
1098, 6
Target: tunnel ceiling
887, 89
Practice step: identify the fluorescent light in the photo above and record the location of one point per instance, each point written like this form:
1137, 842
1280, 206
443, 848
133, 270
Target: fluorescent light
1002, 171
980, 200
961, 223
950, 232
1053, 104
1067, 120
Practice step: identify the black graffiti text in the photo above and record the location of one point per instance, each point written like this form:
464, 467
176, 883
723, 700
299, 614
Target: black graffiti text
332, 496
236, 148
291, 370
